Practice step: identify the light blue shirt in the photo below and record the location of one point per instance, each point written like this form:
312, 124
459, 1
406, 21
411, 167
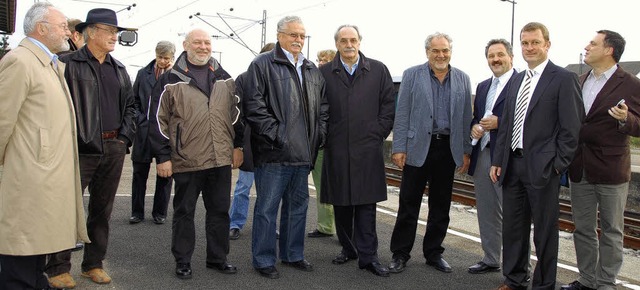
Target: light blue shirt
593, 84
298, 65
53, 56
350, 70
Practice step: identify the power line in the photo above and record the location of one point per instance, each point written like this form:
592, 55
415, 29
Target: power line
164, 15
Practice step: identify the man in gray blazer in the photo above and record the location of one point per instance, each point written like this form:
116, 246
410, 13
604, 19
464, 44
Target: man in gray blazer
430, 139
537, 139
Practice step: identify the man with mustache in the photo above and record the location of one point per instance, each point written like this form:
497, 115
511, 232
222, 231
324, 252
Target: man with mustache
287, 111
197, 140
40, 198
362, 100
488, 106
105, 109
430, 139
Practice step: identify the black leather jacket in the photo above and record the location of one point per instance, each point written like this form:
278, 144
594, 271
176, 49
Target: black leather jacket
272, 95
83, 86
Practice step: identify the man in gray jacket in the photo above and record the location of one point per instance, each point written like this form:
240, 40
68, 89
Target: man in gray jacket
193, 140
430, 139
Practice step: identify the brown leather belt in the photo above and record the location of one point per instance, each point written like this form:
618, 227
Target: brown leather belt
110, 134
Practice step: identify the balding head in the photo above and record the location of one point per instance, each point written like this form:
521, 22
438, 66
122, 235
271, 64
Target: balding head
197, 44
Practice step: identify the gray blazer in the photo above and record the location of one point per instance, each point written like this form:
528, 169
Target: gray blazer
413, 123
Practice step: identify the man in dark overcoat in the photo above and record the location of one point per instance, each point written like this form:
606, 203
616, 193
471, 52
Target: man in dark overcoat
361, 110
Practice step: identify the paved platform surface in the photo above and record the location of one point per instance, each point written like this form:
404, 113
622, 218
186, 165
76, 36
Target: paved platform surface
139, 256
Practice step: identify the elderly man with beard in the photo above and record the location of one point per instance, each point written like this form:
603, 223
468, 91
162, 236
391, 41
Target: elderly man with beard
196, 114
40, 202
430, 139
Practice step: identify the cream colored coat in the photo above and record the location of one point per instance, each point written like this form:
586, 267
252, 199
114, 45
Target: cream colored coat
41, 209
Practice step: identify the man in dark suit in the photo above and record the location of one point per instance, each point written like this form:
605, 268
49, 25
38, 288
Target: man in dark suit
601, 169
536, 142
488, 105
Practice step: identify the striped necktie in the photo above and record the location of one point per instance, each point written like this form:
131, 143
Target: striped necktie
521, 106
488, 109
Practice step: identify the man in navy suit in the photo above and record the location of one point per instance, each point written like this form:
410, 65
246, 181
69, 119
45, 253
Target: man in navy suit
537, 139
430, 139
488, 105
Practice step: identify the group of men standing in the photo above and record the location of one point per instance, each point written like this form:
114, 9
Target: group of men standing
530, 127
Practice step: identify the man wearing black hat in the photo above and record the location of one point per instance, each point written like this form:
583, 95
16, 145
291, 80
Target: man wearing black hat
105, 115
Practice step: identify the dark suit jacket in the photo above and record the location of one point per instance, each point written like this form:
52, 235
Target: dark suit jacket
603, 151
479, 105
552, 123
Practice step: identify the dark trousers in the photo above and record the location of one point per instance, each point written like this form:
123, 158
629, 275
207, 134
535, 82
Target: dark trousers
356, 230
23, 272
102, 175
215, 185
521, 204
139, 188
438, 170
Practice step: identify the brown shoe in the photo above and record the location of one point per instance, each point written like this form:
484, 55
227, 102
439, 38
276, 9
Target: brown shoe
97, 275
62, 281
504, 287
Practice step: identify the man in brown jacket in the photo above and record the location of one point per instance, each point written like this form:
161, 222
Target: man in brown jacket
196, 113
601, 169
40, 202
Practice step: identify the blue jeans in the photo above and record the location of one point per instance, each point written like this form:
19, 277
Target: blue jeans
240, 204
275, 182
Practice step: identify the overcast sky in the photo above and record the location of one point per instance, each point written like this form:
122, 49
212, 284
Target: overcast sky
393, 33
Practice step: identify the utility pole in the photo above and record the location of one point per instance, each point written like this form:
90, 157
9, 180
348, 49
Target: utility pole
263, 40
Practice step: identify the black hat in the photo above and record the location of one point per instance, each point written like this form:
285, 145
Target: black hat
102, 16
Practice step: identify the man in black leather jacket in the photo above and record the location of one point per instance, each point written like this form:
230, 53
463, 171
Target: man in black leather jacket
105, 115
286, 109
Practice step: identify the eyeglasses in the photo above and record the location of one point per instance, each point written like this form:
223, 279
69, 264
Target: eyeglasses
110, 31
294, 35
438, 51
64, 26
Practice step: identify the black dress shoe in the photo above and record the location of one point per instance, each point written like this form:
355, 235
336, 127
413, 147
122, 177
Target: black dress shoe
223, 267
377, 269
481, 268
135, 220
342, 258
183, 270
397, 265
234, 234
440, 264
300, 265
159, 220
575, 285
318, 234
270, 272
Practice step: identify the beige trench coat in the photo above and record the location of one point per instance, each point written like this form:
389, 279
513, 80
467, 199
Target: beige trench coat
41, 209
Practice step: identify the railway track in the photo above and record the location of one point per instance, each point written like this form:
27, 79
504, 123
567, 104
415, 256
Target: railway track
463, 193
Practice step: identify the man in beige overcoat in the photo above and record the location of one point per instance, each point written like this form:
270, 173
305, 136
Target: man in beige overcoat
40, 201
